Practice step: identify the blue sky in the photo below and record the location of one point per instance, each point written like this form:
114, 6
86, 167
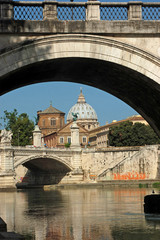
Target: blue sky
64, 95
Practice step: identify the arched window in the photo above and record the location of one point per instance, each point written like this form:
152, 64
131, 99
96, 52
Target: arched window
53, 122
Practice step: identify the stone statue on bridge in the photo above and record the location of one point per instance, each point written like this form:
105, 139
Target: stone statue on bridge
6, 136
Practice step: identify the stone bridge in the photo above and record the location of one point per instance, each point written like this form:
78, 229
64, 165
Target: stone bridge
112, 46
23, 166
25, 162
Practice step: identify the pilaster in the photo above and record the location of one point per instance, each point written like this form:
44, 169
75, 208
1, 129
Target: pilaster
50, 10
7, 159
93, 10
135, 11
6, 10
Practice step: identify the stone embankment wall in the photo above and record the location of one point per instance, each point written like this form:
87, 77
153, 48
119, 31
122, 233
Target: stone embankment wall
140, 163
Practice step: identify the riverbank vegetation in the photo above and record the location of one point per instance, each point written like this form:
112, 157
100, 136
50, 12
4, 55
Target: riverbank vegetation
21, 127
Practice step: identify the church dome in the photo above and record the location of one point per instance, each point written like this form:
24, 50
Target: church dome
84, 110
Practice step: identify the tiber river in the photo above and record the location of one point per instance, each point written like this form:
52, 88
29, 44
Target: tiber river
79, 214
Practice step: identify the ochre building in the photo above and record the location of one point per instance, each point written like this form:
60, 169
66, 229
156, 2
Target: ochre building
61, 134
50, 120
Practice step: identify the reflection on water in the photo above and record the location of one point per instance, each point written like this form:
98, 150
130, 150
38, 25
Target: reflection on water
79, 214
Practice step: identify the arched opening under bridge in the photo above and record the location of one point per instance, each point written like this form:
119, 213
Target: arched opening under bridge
40, 170
125, 71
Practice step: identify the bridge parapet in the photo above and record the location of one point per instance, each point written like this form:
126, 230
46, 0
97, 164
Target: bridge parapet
11, 156
91, 10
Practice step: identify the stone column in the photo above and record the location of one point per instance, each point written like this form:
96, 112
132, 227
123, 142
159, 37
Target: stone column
50, 10
6, 10
75, 146
135, 11
7, 159
6, 151
93, 10
37, 137
75, 135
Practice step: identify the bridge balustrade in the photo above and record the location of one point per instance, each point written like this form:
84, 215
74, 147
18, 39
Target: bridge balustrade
91, 10
71, 11
151, 12
111, 12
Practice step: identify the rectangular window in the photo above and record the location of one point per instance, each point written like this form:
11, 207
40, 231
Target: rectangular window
53, 122
84, 140
69, 139
61, 139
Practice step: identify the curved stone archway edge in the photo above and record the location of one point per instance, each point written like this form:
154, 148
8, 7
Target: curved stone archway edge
51, 157
127, 72
81, 46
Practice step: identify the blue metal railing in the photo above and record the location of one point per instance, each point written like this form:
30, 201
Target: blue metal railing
77, 10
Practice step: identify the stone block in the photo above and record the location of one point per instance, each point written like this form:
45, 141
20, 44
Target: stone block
50, 10
135, 11
93, 10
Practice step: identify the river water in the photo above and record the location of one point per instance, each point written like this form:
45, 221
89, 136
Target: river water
79, 214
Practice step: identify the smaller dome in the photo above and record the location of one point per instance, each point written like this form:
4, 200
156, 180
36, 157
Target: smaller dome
84, 110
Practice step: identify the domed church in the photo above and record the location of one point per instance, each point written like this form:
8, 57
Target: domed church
87, 116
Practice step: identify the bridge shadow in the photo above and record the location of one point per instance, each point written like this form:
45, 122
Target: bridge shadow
42, 172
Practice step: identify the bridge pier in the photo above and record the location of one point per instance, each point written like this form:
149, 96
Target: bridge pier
7, 169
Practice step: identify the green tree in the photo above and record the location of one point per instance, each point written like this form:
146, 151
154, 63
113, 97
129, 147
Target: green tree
129, 134
21, 127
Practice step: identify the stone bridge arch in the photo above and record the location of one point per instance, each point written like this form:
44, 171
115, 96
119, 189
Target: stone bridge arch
41, 170
126, 71
37, 160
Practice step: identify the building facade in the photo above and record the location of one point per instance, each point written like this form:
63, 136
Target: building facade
62, 137
50, 120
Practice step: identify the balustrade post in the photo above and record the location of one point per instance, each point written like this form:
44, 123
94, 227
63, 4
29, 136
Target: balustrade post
50, 10
93, 10
135, 11
6, 9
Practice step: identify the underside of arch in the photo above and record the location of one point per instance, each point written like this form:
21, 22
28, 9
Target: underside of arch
124, 71
52, 164
137, 90
47, 166
40, 170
